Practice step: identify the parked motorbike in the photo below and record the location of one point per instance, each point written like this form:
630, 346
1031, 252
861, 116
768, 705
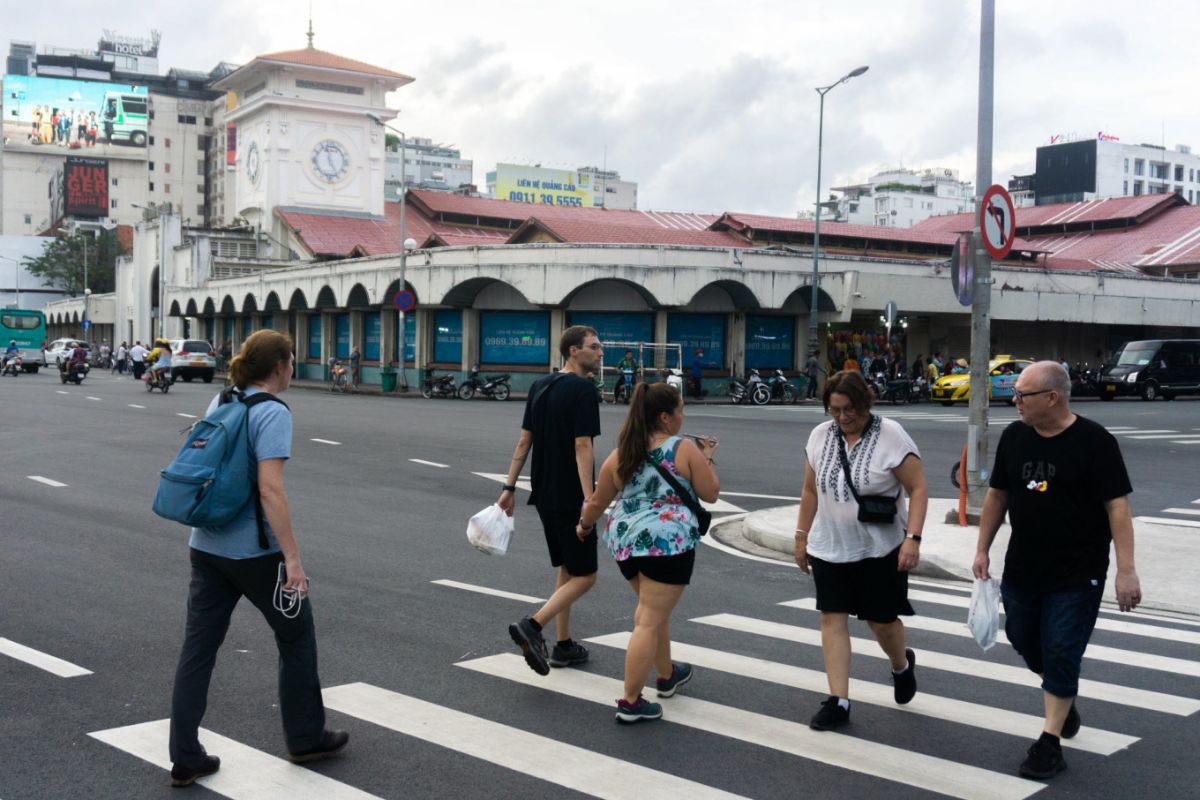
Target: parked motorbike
13, 366
74, 372
623, 391
898, 391
781, 388
494, 386
158, 380
438, 386
674, 377
750, 390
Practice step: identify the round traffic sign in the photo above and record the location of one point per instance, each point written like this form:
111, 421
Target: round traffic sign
405, 300
997, 221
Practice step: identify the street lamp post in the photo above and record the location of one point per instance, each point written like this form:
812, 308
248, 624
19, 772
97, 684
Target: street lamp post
812, 309
405, 245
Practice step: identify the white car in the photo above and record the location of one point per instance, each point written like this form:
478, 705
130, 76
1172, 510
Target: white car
191, 358
56, 350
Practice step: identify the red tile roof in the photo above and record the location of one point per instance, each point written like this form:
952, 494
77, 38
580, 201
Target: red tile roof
312, 57
603, 231
752, 224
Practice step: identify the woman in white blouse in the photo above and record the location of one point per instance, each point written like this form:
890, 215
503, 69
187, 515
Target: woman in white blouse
860, 568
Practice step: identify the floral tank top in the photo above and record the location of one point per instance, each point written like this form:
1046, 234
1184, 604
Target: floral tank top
649, 519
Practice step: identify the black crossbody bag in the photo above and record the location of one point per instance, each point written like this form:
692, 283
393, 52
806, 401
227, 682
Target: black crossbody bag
702, 514
876, 508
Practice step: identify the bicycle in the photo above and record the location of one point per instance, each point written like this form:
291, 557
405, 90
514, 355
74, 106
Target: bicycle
339, 377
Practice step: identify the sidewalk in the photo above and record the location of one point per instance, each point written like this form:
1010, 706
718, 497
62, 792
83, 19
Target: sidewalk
1168, 557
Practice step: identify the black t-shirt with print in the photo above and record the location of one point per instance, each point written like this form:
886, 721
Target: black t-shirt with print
1057, 487
568, 410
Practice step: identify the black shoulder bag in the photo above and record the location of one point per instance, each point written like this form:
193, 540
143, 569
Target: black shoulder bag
702, 514
876, 508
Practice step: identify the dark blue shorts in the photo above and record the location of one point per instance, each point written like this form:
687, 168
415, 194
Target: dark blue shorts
1051, 630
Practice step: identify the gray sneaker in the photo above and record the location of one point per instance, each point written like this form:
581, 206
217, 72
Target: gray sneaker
532, 645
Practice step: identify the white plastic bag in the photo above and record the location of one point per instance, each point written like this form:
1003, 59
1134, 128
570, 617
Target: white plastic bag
983, 618
490, 530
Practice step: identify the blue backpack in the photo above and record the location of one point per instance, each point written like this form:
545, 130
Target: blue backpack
212, 478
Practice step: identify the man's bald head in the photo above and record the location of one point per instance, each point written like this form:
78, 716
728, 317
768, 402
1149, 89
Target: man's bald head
1047, 375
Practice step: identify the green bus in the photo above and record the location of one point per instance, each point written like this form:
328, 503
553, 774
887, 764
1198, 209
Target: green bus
26, 327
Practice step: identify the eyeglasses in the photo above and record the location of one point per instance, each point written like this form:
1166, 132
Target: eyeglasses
596, 346
845, 411
1019, 396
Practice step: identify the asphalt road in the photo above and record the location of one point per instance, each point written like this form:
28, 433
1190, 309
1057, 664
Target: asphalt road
427, 681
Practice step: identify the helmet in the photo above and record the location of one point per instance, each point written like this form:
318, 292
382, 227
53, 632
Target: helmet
162, 342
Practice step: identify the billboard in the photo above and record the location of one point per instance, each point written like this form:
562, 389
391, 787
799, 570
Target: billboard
85, 187
60, 115
542, 186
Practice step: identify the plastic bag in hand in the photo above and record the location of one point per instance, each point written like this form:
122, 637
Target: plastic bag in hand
490, 530
983, 618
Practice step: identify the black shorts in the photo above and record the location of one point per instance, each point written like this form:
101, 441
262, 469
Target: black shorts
871, 589
578, 558
676, 570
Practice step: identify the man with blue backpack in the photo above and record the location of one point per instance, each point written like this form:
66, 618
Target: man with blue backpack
227, 483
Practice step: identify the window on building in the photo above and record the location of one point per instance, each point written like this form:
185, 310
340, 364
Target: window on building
208, 122
112, 204
1179, 172
201, 143
1179, 190
167, 167
114, 180
1158, 171
152, 186
199, 167
200, 188
152, 141
1137, 188
1127, 165
29, 219
1139, 168
1191, 174
908, 202
167, 142
1125, 187
166, 188
1189, 195
200, 209
151, 166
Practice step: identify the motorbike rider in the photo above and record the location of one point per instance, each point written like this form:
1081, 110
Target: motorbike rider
160, 359
74, 355
11, 352
628, 362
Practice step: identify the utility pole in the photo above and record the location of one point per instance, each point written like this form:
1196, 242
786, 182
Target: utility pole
981, 294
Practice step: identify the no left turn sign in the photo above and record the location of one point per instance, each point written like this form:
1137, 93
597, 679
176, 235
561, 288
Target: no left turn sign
997, 221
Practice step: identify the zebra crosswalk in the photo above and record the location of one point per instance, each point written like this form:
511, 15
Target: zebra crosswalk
965, 694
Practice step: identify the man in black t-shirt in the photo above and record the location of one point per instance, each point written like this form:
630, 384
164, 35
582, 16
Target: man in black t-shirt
1063, 482
562, 416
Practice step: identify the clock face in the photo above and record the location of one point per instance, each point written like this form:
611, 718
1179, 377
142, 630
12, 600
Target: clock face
253, 162
330, 161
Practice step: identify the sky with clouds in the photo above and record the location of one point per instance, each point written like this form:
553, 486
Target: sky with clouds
710, 106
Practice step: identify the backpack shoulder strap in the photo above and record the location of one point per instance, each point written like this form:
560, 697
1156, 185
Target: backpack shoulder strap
259, 514
558, 376
262, 397
688, 498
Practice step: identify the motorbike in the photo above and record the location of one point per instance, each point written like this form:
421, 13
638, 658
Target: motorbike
781, 388
899, 391
158, 380
76, 372
750, 390
494, 386
623, 391
13, 366
674, 377
438, 386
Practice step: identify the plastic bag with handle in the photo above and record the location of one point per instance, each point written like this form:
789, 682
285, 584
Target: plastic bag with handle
490, 530
983, 618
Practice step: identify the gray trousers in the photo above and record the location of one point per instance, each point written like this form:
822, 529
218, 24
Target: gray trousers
217, 584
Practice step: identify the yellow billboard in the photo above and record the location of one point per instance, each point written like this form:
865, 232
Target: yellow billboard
543, 186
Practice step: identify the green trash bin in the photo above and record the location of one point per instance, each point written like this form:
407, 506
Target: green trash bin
388, 378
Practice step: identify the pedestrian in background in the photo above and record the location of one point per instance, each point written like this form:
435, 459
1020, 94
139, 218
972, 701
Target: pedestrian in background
811, 368
122, 357
355, 363
652, 533
562, 416
1062, 481
137, 355
226, 354
261, 562
859, 567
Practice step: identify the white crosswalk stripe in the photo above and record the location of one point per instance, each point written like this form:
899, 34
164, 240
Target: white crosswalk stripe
860, 755
550, 760
245, 774
1130, 658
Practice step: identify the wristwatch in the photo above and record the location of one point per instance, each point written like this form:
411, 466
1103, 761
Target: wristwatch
916, 537
511, 487
586, 527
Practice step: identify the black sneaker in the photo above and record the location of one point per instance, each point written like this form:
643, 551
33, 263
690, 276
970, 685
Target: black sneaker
532, 645
1071, 724
680, 674
186, 776
572, 655
331, 744
905, 683
1044, 759
830, 716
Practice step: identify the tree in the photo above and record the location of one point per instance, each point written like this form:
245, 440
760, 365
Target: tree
392, 142
61, 263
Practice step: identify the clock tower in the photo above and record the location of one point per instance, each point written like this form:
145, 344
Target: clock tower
303, 136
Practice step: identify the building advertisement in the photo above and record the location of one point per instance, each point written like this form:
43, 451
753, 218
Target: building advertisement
314, 336
514, 337
610, 327
42, 115
85, 187
410, 336
703, 331
541, 186
447, 340
769, 341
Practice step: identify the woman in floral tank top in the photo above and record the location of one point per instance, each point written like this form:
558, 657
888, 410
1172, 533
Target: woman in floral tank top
651, 533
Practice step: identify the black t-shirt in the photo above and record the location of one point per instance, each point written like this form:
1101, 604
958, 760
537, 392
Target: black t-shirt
1057, 488
568, 410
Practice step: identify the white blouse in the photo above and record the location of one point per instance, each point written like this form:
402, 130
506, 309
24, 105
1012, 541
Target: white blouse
836, 534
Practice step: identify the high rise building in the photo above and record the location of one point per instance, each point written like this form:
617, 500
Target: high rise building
427, 166
1070, 170
900, 198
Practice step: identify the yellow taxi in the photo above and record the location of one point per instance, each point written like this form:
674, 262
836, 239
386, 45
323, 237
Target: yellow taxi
1003, 371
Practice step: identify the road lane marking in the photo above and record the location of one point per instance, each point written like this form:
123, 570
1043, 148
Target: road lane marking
429, 463
759, 496
1130, 433
188, 416
1180, 437
135, 405
1191, 511
1115, 655
46, 481
576, 768
851, 753
60, 391
1182, 523
1103, 623
988, 718
470, 587
325, 441
973, 667
502, 478
89, 397
36, 658
245, 772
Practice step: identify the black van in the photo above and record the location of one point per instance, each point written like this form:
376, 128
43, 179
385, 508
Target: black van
1153, 368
